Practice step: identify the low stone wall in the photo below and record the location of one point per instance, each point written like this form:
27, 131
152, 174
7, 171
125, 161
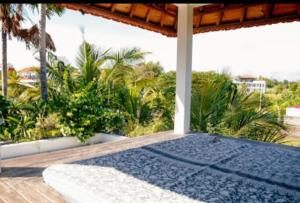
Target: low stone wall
47, 145
293, 124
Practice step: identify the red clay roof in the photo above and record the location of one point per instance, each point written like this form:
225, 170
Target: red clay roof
28, 69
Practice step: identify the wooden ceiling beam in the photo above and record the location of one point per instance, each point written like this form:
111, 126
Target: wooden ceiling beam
132, 10
99, 11
244, 14
113, 7
162, 19
148, 15
110, 11
269, 10
220, 14
155, 7
206, 10
198, 22
252, 23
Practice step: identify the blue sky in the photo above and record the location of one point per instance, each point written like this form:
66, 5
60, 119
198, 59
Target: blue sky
270, 50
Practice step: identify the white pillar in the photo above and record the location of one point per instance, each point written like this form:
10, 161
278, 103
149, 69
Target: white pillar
184, 68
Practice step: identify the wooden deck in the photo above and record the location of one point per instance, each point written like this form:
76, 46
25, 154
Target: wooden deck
21, 178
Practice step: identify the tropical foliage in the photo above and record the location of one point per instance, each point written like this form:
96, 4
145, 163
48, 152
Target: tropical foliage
118, 92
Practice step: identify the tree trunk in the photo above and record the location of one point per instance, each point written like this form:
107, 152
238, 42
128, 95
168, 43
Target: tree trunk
43, 68
4, 64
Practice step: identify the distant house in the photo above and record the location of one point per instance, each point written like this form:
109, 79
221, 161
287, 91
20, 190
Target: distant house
29, 75
251, 83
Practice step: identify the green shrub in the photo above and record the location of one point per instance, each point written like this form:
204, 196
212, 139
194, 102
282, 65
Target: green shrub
157, 125
112, 121
81, 112
17, 123
47, 126
4, 106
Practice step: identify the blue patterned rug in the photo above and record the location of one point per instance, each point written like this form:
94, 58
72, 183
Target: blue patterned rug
196, 168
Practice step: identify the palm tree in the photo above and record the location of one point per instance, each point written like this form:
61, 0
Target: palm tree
43, 70
45, 11
89, 61
4, 62
211, 95
123, 62
10, 16
218, 106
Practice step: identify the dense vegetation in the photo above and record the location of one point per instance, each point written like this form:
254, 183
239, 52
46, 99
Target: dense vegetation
118, 92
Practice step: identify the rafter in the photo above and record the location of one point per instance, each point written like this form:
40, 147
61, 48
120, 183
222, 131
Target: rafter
98, 11
217, 8
155, 7
237, 19
162, 19
113, 7
148, 15
198, 22
263, 21
244, 13
269, 10
226, 7
132, 10
220, 14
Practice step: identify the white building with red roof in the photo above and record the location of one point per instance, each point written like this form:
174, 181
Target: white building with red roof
251, 83
29, 75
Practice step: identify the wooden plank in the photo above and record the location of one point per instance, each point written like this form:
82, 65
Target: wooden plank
44, 159
9, 195
27, 193
24, 183
47, 192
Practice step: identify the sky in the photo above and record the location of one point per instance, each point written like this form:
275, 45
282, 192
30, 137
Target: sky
271, 50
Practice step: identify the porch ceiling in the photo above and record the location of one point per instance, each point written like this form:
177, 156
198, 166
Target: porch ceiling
162, 18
